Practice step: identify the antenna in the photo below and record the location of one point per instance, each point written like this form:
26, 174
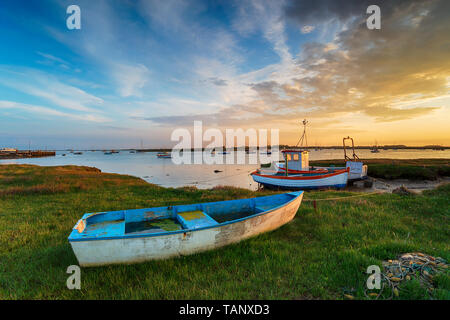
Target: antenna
303, 138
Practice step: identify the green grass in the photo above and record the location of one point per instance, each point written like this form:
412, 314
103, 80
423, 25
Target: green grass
316, 256
413, 169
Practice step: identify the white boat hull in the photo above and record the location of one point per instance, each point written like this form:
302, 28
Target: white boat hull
139, 249
333, 181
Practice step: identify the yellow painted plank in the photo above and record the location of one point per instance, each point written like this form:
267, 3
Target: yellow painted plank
191, 215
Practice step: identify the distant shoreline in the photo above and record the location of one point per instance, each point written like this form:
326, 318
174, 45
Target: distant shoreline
387, 147
20, 154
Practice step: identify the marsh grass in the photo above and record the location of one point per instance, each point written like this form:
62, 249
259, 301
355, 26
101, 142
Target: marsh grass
316, 256
412, 169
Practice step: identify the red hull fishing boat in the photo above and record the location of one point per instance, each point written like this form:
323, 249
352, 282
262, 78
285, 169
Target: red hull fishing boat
295, 172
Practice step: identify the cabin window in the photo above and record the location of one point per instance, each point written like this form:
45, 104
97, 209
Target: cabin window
288, 157
296, 157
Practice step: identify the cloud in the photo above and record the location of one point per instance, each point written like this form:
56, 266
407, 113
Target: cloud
130, 79
364, 72
51, 59
319, 11
307, 29
385, 114
216, 81
43, 85
45, 111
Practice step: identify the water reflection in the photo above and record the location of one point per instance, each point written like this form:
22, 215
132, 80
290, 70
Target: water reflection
165, 173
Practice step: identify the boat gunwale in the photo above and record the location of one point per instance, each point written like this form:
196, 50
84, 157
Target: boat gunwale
157, 234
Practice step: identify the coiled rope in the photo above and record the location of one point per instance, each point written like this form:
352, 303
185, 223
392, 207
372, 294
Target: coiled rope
408, 266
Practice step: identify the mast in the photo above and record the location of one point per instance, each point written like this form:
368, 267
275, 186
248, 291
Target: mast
303, 138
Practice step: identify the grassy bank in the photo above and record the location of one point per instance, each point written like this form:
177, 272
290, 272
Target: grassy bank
317, 255
412, 169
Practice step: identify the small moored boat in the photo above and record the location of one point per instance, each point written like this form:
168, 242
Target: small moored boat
357, 169
296, 174
306, 180
130, 236
164, 155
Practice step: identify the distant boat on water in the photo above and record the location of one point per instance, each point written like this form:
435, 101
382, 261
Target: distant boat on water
164, 155
108, 152
375, 148
78, 153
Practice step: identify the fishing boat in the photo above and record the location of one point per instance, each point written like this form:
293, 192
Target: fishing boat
296, 174
357, 169
164, 155
137, 235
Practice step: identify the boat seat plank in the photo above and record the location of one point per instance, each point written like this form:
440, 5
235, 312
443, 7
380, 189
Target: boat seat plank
195, 219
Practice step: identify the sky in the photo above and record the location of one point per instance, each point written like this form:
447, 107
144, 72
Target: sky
137, 70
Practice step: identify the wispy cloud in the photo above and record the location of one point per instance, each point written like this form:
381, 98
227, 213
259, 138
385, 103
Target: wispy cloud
42, 85
46, 112
130, 79
52, 58
307, 29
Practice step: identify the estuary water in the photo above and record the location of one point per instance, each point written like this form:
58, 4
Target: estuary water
164, 172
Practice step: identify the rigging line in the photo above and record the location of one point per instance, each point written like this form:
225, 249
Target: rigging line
342, 198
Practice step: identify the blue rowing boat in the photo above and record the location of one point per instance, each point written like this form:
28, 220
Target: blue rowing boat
130, 236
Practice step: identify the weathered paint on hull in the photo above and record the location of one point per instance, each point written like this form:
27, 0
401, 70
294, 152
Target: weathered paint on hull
335, 181
134, 250
276, 187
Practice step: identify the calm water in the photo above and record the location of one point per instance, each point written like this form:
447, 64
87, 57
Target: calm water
165, 173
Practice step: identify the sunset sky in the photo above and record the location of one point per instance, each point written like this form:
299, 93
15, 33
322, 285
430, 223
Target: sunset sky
139, 69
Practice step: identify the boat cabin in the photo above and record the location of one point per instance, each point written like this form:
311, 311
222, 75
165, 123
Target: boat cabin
296, 159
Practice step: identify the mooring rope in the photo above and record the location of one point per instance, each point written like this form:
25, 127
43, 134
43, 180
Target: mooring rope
347, 197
